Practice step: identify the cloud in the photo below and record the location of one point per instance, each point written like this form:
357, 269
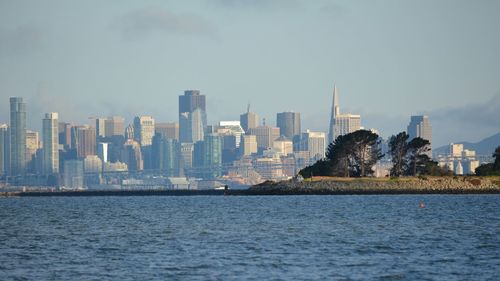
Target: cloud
257, 4
333, 9
472, 122
146, 21
21, 40
483, 114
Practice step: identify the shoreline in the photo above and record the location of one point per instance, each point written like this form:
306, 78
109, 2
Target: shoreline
315, 186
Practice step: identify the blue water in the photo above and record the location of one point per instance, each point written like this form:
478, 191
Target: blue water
251, 238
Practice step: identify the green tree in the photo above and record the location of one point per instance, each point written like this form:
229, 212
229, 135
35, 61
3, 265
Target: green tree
321, 168
365, 151
417, 156
490, 169
432, 168
398, 148
348, 155
338, 154
496, 155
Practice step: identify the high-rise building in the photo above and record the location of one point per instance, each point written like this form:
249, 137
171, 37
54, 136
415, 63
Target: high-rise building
100, 127
248, 145
208, 156
132, 156
334, 112
230, 128
144, 130
165, 155
65, 134
115, 148
197, 126
129, 132
102, 151
50, 136
249, 120
32, 145
168, 130
265, 135
283, 145
314, 143
113, 126
289, 124
17, 136
84, 140
341, 124
347, 123
73, 174
187, 150
420, 127
92, 164
456, 149
188, 103
4, 149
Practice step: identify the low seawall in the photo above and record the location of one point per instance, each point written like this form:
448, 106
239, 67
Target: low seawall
434, 185
82, 193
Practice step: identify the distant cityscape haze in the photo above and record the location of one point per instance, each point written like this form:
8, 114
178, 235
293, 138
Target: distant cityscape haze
389, 59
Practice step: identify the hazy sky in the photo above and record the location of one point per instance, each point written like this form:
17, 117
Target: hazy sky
389, 59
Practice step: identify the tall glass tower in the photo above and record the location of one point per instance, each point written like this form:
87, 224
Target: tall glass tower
50, 135
17, 136
188, 103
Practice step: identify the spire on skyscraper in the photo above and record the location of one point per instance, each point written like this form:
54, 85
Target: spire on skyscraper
334, 113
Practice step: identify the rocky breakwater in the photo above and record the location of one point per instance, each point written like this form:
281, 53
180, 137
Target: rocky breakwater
406, 185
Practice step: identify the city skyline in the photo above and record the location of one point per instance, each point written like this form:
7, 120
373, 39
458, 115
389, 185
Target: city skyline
136, 59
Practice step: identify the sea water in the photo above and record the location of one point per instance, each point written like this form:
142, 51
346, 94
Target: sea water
397, 237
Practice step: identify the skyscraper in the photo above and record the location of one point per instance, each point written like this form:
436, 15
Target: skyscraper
144, 130
289, 124
168, 130
347, 123
248, 145
208, 156
17, 136
420, 127
188, 103
113, 126
197, 126
129, 132
100, 127
73, 174
4, 149
334, 112
230, 128
265, 136
65, 134
314, 143
84, 141
102, 151
165, 156
50, 136
341, 124
187, 150
132, 156
32, 145
249, 120
283, 145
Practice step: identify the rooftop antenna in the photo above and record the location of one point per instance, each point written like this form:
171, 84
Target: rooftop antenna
248, 108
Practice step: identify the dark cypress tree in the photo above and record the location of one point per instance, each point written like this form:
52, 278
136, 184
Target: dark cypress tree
398, 148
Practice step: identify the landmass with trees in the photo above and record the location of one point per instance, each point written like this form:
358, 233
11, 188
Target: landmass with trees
355, 154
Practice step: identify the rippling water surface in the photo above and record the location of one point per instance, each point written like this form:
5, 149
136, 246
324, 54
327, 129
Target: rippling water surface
251, 238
